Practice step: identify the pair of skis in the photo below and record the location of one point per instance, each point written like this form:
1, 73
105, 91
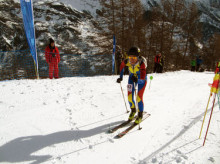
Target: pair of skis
123, 124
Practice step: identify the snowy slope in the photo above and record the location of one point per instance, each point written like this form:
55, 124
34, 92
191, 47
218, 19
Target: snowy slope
65, 120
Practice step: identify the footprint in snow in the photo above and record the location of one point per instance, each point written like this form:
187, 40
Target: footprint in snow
67, 109
179, 152
111, 140
64, 99
59, 158
212, 133
178, 159
154, 160
184, 156
133, 158
211, 159
11, 107
169, 134
94, 105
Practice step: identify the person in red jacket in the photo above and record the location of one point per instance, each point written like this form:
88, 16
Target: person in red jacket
217, 69
53, 58
158, 63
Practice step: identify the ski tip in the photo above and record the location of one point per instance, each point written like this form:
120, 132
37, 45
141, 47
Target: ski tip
110, 131
117, 137
120, 135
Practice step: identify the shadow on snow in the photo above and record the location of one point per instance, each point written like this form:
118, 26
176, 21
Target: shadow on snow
20, 149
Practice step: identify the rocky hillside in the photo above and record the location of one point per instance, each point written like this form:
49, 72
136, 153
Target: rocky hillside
76, 34
209, 11
11, 26
210, 17
74, 31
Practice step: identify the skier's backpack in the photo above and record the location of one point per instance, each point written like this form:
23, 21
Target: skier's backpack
143, 59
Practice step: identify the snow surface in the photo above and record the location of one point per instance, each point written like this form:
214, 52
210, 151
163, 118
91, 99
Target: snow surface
65, 121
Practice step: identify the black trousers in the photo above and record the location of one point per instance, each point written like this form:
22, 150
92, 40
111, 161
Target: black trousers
158, 68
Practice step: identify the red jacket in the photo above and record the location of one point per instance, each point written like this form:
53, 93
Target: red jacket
52, 55
157, 59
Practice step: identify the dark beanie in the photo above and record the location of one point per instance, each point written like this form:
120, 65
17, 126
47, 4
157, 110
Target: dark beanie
51, 40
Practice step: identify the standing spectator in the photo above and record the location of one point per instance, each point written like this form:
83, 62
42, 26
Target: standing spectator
158, 63
118, 60
53, 58
193, 65
125, 56
217, 69
198, 63
161, 64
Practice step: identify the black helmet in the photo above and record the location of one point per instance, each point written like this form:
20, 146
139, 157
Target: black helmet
134, 51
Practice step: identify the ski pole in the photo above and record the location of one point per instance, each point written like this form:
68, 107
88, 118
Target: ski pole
209, 120
124, 98
205, 115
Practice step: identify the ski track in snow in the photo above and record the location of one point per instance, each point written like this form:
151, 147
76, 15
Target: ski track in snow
66, 120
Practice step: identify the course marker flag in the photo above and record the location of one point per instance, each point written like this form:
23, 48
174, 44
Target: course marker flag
28, 21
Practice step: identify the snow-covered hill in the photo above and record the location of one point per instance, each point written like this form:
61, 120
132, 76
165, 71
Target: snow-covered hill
65, 121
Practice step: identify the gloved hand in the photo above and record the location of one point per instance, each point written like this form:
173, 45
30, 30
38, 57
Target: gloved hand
134, 79
119, 80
